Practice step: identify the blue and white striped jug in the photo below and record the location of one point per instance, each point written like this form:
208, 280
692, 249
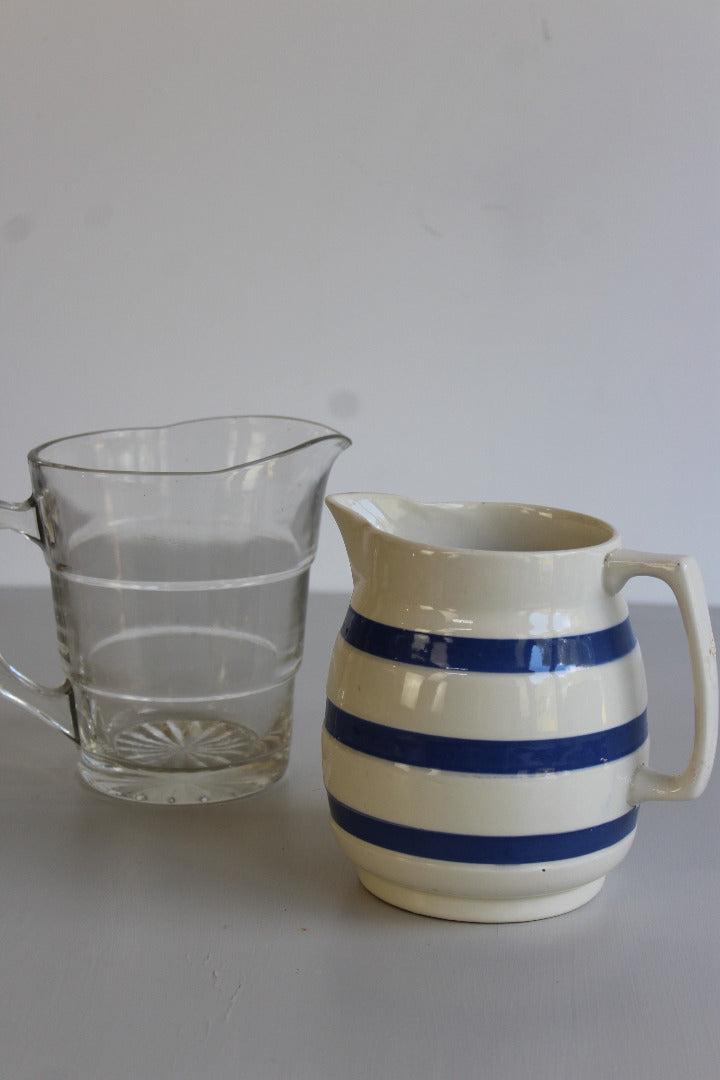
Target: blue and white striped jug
485, 745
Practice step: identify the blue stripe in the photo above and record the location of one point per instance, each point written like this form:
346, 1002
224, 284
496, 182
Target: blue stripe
497, 850
513, 656
485, 755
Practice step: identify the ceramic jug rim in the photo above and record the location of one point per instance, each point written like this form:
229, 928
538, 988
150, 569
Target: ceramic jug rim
610, 536
38, 455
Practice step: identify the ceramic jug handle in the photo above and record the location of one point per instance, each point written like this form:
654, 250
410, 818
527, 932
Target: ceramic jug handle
49, 703
682, 574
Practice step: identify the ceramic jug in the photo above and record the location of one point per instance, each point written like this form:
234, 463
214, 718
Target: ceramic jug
485, 745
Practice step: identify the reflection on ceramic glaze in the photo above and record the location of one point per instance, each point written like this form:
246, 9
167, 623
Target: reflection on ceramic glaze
512, 656
464, 848
506, 756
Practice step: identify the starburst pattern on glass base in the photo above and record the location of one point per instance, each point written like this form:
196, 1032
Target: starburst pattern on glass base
175, 759
178, 744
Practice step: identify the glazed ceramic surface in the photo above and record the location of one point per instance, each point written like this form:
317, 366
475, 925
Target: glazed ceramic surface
485, 745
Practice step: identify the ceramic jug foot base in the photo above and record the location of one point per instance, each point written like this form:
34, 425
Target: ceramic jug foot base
183, 788
468, 909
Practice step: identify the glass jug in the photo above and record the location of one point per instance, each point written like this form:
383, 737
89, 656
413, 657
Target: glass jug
179, 559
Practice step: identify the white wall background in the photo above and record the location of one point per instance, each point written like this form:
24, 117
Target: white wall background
482, 238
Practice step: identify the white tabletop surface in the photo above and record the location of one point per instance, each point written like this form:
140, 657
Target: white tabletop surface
233, 942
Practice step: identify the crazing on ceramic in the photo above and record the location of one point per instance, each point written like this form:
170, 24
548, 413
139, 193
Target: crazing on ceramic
485, 744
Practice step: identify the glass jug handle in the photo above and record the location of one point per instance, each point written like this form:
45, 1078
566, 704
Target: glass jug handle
682, 574
49, 703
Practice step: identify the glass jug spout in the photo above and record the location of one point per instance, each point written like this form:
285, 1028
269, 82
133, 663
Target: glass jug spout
315, 458
290, 485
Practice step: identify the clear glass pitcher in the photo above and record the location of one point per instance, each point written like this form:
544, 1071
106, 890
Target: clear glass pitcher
179, 559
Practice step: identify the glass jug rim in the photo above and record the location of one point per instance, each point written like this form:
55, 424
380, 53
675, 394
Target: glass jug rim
324, 433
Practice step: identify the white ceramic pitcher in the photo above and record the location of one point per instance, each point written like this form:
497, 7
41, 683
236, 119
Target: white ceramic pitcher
485, 744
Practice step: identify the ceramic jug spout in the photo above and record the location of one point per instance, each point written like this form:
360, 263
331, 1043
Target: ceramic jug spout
355, 530
361, 518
